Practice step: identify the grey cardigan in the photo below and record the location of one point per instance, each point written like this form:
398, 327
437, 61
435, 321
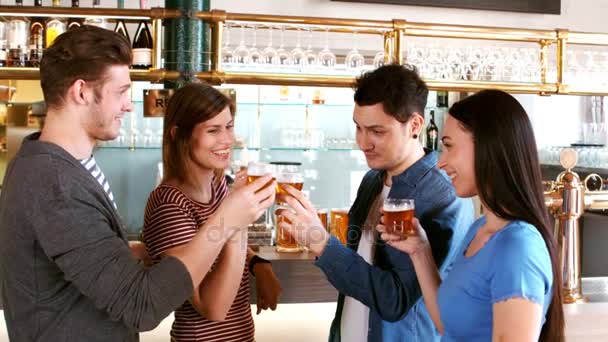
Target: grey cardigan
66, 269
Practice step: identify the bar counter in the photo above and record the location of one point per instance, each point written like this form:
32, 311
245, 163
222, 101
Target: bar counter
301, 280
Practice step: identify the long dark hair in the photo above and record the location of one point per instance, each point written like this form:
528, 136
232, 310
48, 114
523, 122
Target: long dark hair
508, 176
190, 105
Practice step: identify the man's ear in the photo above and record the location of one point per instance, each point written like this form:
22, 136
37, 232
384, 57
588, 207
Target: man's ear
416, 124
79, 93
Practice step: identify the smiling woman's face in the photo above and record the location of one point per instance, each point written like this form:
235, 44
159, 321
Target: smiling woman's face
458, 157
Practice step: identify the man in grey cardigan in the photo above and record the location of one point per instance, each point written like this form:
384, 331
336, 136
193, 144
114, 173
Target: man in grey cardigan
67, 271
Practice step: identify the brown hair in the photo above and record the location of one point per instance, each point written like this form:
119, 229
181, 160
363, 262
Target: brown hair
80, 53
400, 90
508, 177
190, 105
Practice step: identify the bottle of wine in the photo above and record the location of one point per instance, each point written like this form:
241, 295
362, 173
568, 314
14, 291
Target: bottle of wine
432, 133
54, 26
142, 44
121, 26
37, 37
75, 22
96, 21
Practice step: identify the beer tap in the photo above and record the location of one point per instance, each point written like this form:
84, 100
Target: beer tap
566, 199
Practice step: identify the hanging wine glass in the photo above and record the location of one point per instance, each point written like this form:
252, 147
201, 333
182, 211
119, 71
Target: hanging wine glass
298, 56
241, 52
227, 52
326, 57
282, 54
311, 56
354, 60
269, 54
255, 57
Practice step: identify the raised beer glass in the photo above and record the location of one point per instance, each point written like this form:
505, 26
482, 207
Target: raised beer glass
256, 170
398, 215
285, 243
288, 173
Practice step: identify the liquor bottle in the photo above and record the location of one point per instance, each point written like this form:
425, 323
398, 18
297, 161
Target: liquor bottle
432, 133
442, 99
121, 26
96, 21
17, 36
37, 36
142, 44
3, 43
54, 26
75, 22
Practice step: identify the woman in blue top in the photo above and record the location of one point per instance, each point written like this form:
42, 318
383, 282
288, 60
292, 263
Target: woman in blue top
504, 284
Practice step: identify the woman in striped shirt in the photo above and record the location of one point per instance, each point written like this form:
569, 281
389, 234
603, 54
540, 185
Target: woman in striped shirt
197, 141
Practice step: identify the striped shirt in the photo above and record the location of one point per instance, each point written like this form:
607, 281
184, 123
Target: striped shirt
91, 165
172, 219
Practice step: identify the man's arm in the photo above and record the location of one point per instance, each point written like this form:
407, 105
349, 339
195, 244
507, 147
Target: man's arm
389, 292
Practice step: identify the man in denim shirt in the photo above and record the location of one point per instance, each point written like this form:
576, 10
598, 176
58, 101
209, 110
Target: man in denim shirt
380, 298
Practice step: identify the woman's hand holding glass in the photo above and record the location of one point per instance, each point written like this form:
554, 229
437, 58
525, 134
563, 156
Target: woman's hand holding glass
410, 244
303, 222
247, 203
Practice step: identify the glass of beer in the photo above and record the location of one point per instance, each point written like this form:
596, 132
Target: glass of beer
338, 223
256, 170
322, 214
285, 243
288, 173
398, 215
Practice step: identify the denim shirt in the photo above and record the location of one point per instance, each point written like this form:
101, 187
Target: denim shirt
389, 287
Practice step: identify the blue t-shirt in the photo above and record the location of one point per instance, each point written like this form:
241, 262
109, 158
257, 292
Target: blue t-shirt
514, 263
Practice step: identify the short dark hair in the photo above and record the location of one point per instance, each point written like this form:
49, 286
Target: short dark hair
400, 90
80, 53
508, 176
190, 105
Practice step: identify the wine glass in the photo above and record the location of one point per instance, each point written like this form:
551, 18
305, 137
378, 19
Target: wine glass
354, 60
380, 59
282, 54
298, 56
227, 52
241, 52
326, 57
255, 57
311, 56
269, 54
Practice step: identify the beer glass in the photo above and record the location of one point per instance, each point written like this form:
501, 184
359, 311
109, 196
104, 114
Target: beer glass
288, 173
285, 243
322, 214
338, 223
256, 170
398, 215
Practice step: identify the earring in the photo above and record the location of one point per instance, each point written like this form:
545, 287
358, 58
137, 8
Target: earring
415, 136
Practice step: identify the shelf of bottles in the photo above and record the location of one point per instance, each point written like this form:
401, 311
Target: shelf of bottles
26, 32
290, 50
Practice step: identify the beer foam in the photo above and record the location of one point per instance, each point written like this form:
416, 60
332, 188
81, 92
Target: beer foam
290, 178
259, 169
395, 207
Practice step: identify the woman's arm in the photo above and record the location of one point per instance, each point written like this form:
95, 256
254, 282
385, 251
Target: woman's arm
516, 320
429, 280
215, 295
240, 208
